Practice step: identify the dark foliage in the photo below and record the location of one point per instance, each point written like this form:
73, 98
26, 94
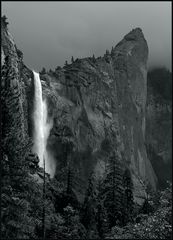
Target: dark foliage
101, 214
106, 145
4, 20
160, 80
128, 203
93, 58
113, 190
72, 59
88, 209
43, 71
163, 171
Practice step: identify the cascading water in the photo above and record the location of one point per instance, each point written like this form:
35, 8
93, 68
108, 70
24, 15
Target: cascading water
38, 119
42, 127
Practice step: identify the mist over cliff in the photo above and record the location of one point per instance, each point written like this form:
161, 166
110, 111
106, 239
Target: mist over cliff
81, 148
81, 29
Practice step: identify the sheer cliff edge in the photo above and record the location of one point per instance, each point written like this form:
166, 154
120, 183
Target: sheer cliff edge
97, 105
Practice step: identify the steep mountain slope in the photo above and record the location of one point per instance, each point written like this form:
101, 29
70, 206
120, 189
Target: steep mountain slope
159, 123
104, 100
97, 106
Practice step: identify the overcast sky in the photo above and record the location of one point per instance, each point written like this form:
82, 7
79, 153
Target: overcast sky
48, 33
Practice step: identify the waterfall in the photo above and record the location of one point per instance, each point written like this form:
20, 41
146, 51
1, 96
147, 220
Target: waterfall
38, 135
42, 126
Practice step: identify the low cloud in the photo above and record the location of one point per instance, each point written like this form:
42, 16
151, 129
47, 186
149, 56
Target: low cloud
49, 33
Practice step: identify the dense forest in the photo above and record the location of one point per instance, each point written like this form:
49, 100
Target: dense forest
50, 210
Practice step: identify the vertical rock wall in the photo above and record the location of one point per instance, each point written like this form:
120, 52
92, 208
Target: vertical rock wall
92, 101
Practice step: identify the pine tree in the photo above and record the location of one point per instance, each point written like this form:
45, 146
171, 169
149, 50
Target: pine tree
58, 68
72, 59
93, 58
112, 51
107, 52
68, 176
101, 216
128, 203
69, 180
43, 71
4, 20
68, 170
147, 206
44, 195
149, 190
89, 206
113, 190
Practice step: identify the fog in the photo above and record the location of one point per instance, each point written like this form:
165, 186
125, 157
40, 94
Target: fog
49, 33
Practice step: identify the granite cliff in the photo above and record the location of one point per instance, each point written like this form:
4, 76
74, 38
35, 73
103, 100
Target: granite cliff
97, 105
159, 123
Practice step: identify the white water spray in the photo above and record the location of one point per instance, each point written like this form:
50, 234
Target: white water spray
42, 127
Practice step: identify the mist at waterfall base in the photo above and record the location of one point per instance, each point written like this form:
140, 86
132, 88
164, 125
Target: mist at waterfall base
42, 126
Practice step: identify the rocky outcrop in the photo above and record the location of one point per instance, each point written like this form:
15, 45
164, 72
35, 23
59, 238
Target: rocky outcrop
97, 105
100, 100
13, 95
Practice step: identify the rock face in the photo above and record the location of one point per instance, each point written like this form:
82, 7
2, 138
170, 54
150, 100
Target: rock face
95, 104
100, 100
159, 134
13, 95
